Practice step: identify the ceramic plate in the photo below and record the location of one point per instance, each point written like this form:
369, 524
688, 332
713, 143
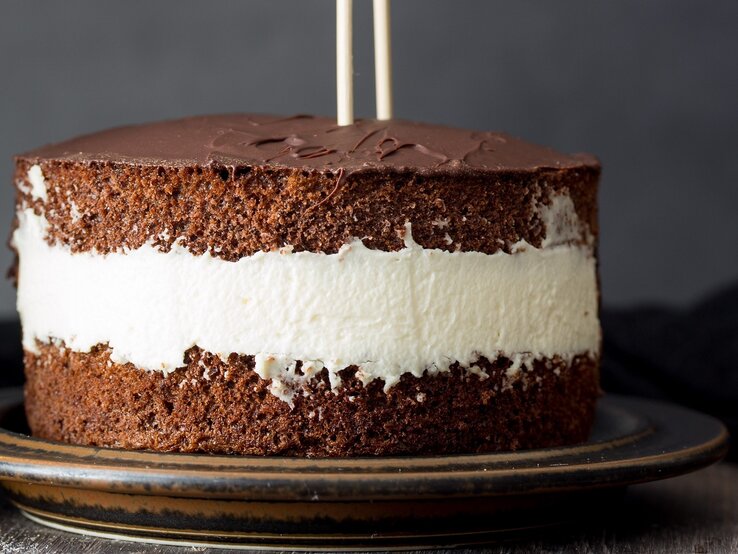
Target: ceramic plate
364, 503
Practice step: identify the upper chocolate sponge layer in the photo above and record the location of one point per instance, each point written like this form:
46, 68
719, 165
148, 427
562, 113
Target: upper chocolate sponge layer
302, 141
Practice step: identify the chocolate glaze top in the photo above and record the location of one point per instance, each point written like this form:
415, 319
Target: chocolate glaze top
303, 141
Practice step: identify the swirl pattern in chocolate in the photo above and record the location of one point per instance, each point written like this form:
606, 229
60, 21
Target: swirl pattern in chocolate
303, 141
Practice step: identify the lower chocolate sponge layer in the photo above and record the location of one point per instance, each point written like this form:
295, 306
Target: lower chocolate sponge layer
219, 406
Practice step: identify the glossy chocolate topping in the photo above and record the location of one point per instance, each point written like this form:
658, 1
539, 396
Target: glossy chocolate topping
302, 141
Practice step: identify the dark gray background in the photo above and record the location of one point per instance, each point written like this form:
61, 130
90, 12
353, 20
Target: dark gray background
650, 87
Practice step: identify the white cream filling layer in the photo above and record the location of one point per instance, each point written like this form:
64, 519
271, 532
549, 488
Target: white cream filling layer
389, 313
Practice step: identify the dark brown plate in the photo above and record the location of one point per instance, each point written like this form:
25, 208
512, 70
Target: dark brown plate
366, 503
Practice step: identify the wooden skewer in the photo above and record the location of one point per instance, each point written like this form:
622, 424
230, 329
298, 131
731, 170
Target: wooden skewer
344, 62
382, 59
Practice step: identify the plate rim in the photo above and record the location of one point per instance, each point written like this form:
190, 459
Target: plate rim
352, 476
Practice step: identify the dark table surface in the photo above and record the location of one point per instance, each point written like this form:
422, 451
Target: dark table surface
696, 513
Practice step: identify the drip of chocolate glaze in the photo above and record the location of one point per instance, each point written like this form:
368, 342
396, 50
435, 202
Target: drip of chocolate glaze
309, 142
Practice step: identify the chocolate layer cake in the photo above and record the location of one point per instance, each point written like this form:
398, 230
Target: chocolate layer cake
260, 285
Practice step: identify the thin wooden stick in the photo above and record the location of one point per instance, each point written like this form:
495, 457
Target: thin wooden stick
344, 62
382, 59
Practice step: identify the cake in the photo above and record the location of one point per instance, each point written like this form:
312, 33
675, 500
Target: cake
265, 285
